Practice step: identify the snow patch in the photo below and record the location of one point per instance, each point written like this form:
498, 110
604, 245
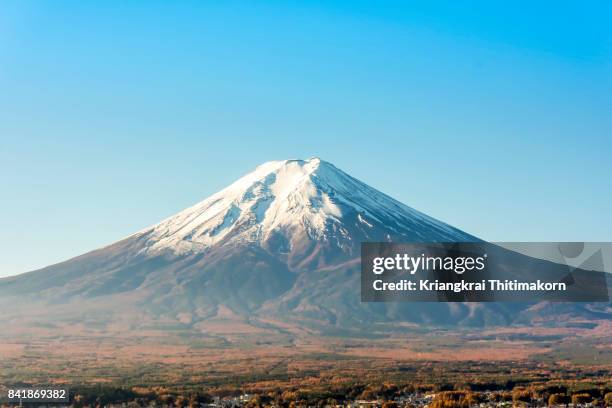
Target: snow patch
285, 197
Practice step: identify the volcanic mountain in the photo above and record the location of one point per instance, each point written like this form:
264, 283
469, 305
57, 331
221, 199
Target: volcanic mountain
281, 242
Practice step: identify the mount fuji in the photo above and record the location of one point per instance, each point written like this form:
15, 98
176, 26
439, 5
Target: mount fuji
282, 242
284, 205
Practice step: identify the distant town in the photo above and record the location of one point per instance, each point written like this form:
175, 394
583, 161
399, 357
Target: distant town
520, 397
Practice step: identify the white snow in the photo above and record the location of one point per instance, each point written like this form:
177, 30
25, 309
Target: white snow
282, 195
364, 221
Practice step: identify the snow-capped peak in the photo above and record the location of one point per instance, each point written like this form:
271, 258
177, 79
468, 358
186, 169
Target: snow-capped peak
290, 196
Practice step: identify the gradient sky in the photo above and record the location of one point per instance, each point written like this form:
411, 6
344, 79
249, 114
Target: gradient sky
495, 117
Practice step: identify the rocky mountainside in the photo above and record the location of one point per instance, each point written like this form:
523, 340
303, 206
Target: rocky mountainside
282, 242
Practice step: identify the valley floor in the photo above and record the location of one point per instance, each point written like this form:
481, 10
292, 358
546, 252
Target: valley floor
227, 359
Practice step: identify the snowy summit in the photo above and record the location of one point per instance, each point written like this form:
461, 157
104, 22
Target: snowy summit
311, 199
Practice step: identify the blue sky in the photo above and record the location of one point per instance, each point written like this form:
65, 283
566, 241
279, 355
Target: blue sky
495, 117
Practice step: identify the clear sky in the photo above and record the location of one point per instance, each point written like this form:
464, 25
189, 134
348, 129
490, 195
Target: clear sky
495, 117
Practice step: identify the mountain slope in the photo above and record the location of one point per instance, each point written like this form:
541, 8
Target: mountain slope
281, 242
282, 202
